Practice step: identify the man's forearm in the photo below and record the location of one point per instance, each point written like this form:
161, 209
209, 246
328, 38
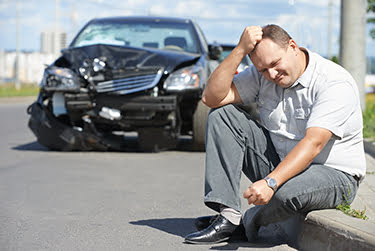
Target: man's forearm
219, 84
302, 155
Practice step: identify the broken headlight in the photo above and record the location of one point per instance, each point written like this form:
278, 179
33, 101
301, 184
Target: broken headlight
60, 79
184, 79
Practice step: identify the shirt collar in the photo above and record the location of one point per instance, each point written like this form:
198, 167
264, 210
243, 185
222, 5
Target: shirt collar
306, 76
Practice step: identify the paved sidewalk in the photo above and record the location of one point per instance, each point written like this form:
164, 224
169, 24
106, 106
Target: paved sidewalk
334, 230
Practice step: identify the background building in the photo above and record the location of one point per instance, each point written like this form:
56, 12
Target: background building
32, 63
31, 66
52, 41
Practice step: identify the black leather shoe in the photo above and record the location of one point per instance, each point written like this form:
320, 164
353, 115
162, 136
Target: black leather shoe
220, 230
204, 221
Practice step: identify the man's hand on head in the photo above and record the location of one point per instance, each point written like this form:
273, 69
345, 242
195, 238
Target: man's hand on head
249, 38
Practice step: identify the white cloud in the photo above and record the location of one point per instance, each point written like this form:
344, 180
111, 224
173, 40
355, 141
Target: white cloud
318, 3
184, 9
4, 4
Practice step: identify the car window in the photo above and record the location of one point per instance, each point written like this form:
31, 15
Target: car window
226, 51
167, 36
246, 62
224, 54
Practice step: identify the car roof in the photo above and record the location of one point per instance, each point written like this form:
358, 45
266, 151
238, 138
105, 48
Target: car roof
227, 46
143, 18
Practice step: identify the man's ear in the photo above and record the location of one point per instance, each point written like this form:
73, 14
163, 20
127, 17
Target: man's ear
293, 45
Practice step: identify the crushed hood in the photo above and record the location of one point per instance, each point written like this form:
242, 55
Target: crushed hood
124, 61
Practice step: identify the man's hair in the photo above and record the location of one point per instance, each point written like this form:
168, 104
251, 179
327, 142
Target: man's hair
276, 34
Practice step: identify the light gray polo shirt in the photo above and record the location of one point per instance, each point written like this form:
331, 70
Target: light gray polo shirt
324, 96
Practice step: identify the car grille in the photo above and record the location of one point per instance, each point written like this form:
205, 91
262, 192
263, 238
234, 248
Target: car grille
130, 84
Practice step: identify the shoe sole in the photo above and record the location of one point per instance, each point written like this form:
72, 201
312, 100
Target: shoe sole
207, 243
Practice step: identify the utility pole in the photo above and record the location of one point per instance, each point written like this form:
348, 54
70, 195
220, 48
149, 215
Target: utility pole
353, 42
330, 16
56, 32
17, 61
73, 21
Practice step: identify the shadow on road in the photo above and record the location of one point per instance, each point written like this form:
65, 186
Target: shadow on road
33, 146
235, 245
184, 226
176, 226
184, 145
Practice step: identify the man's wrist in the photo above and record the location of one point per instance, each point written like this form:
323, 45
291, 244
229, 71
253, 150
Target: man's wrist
241, 52
271, 183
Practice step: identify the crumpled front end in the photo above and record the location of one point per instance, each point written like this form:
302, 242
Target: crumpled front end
92, 95
55, 135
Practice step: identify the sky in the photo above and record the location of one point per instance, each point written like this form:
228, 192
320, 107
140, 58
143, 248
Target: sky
222, 21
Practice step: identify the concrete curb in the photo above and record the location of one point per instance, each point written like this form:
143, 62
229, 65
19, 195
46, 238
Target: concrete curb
332, 230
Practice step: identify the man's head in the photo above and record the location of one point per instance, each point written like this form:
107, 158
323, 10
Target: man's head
278, 57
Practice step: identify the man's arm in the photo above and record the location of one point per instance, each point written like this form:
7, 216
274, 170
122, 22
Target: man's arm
302, 155
220, 89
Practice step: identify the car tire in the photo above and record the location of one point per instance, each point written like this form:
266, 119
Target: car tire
199, 126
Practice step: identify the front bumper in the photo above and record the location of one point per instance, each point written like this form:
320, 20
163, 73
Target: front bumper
134, 111
55, 135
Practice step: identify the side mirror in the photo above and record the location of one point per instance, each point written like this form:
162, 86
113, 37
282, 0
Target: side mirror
214, 51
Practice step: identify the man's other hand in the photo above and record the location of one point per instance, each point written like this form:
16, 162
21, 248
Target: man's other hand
259, 193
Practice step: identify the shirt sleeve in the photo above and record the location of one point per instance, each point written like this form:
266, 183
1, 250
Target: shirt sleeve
247, 83
333, 107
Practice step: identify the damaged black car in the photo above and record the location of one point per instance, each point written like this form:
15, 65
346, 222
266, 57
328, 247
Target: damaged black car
126, 74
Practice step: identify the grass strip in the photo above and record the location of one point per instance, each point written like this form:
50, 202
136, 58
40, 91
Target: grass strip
9, 90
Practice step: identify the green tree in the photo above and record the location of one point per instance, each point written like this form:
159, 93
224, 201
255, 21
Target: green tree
371, 9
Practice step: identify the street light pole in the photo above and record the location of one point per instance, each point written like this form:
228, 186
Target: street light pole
56, 33
330, 16
17, 61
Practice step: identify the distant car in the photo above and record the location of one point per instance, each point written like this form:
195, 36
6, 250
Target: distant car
123, 74
227, 48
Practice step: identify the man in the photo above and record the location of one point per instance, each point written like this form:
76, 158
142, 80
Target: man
307, 154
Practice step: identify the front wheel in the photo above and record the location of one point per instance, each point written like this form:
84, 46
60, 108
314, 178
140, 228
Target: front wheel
199, 126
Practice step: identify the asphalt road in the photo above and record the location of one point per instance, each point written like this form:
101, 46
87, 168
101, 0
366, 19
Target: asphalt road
97, 200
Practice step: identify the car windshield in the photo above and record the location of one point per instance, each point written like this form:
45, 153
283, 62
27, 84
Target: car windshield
156, 35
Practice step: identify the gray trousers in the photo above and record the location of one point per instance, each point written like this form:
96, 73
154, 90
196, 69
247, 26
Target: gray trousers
235, 143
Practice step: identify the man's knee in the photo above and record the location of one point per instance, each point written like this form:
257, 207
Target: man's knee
289, 200
304, 202
220, 112
230, 114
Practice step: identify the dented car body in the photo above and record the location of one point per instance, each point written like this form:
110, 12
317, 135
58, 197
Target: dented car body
141, 74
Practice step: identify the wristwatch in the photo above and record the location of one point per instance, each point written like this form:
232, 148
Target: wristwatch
271, 183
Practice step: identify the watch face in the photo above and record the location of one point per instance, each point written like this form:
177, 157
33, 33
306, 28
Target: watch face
272, 182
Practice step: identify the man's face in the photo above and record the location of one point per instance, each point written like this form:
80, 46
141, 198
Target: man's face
277, 64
